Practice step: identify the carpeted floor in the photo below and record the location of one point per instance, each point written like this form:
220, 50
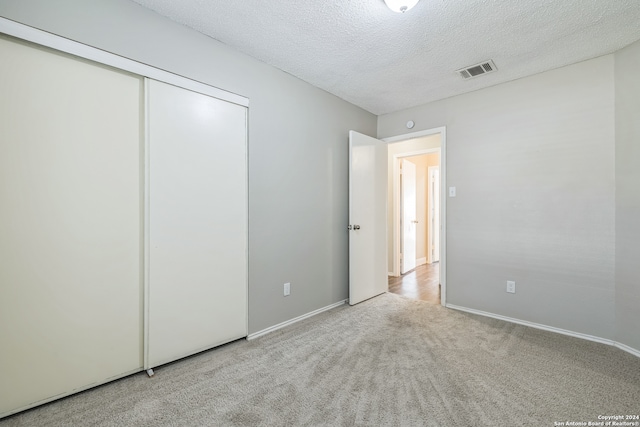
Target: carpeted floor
389, 361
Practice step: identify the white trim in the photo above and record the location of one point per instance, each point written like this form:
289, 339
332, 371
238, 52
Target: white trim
70, 393
531, 324
391, 273
62, 44
294, 320
628, 349
146, 234
548, 328
443, 216
430, 169
246, 188
421, 261
413, 135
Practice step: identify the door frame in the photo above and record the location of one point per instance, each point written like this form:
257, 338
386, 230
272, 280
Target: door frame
443, 200
430, 169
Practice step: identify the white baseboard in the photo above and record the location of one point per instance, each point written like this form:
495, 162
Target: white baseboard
391, 273
548, 328
294, 320
628, 349
421, 261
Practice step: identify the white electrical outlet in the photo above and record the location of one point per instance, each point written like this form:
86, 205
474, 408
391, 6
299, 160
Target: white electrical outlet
511, 286
287, 289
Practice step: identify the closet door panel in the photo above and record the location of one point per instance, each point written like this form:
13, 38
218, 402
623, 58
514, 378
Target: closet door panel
70, 224
197, 259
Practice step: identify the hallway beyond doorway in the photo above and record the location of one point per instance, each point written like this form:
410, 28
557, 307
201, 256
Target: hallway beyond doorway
422, 283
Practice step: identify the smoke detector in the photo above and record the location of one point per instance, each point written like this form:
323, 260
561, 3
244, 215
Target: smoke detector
476, 70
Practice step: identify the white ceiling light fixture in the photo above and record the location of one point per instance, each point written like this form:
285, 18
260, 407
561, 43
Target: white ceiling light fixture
401, 6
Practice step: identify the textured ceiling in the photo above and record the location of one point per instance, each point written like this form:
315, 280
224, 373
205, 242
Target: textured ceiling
384, 61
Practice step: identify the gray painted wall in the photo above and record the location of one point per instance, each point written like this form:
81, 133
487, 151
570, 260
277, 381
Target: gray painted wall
533, 163
298, 146
627, 69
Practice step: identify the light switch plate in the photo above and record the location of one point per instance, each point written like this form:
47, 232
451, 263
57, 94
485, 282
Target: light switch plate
452, 191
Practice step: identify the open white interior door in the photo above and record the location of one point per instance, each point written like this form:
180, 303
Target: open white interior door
409, 215
367, 217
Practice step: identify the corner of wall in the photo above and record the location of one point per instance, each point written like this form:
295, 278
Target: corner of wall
627, 201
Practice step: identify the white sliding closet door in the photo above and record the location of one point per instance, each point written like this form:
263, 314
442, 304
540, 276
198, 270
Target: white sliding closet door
197, 223
70, 225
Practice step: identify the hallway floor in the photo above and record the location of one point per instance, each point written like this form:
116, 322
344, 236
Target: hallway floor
422, 283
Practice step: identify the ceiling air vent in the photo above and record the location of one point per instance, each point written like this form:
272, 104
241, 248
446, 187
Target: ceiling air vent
477, 69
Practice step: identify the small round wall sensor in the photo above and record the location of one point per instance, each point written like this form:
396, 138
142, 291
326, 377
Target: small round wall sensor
410, 124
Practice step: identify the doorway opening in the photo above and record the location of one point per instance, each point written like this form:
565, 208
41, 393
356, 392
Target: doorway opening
415, 236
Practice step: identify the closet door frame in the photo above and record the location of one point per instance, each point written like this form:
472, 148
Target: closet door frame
62, 44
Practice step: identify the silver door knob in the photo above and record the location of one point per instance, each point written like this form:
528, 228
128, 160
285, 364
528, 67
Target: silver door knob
415, 222
356, 227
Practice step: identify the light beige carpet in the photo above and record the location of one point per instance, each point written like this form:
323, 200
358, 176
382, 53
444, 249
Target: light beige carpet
389, 361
